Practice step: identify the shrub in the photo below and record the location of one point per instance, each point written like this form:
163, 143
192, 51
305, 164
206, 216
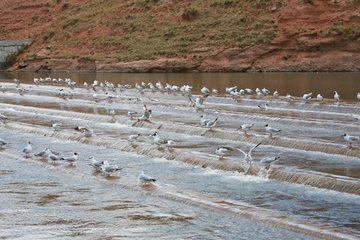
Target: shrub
10, 60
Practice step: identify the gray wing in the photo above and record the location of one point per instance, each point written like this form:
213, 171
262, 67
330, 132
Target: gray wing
269, 160
40, 154
53, 157
111, 168
145, 178
253, 148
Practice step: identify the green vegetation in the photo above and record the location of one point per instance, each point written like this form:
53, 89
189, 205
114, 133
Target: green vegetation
10, 60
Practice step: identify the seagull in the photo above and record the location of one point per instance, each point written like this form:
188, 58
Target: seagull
53, 158
2, 143
215, 91
71, 159
131, 114
356, 117
204, 90
132, 138
247, 156
230, 89
28, 149
107, 168
56, 126
169, 144
268, 161
265, 91
350, 139
276, 94
157, 140
138, 87
198, 102
358, 96
110, 97
203, 120
87, 130
96, 164
271, 130
2, 117
151, 86
210, 124
307, 96
145, 179
221, 151
319, 97
336, 96
248, 90
235, 93
245, 127
146, 114
265, 107
46, 152
289, 97
80, 128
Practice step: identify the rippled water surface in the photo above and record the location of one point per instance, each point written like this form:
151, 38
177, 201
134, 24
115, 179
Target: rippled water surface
313, 191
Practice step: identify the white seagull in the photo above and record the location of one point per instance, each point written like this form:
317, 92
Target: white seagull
2, 117
268, 161
356, 117
96, 164
276, 94
131, 114
53, 158
221, 151
210, 124
28, 149
56, 126
350, 139
46, 152
71, 159
145, 179
288, 96
245, 127
88, 131
107, 168
248, 90
336, 96
265, 91
157, 140
307, 96
319, 97
204, 90
132, 138
265, 107
146, 114
358, 96
247, 156
271, 130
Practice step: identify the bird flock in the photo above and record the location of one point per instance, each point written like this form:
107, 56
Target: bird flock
198, 103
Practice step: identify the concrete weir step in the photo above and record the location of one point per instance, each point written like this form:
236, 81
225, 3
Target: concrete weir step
9, 47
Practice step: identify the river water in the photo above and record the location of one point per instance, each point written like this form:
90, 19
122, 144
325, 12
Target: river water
311, 192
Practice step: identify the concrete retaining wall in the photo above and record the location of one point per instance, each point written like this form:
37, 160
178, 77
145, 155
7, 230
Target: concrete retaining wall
9, 47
